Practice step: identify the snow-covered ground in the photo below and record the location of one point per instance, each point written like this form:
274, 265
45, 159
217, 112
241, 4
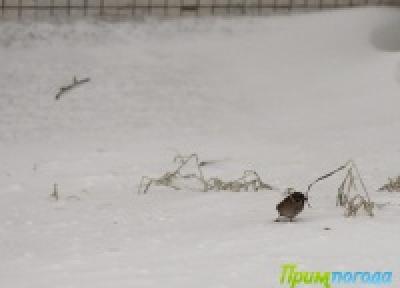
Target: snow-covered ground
289, 96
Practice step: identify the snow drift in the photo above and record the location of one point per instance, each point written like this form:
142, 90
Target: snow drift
290, 96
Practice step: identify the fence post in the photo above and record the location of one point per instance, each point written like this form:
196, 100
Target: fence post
85, 7
2, 7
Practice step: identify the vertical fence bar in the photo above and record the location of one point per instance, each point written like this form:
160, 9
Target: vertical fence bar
166, 8
35, 8
68, 8
85, 7
290, 5
51, 7
197, 7
181, 5
149, 6
133, 8
3, 2
213, 7
19, 9
259, 7
275, 4
228, 7
101, 12
244, 7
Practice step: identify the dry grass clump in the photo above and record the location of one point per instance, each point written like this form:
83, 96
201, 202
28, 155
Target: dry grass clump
347, 194
250, 180
393, 185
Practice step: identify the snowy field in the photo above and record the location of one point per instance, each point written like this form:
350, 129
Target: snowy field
289, 96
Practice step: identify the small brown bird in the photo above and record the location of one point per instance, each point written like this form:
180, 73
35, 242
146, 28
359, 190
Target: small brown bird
291, 206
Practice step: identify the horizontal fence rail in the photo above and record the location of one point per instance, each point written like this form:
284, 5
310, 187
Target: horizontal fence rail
129, 8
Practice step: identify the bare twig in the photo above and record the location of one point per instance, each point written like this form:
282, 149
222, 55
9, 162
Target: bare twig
74, 84
324, 177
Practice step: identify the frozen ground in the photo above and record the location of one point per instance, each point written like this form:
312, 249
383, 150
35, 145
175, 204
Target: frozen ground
289, 96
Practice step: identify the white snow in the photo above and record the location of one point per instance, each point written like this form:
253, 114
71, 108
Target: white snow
291, 96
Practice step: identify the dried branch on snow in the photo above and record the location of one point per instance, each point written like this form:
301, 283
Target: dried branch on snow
74, 84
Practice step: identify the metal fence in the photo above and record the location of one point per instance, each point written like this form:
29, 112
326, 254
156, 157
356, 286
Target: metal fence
132, 8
